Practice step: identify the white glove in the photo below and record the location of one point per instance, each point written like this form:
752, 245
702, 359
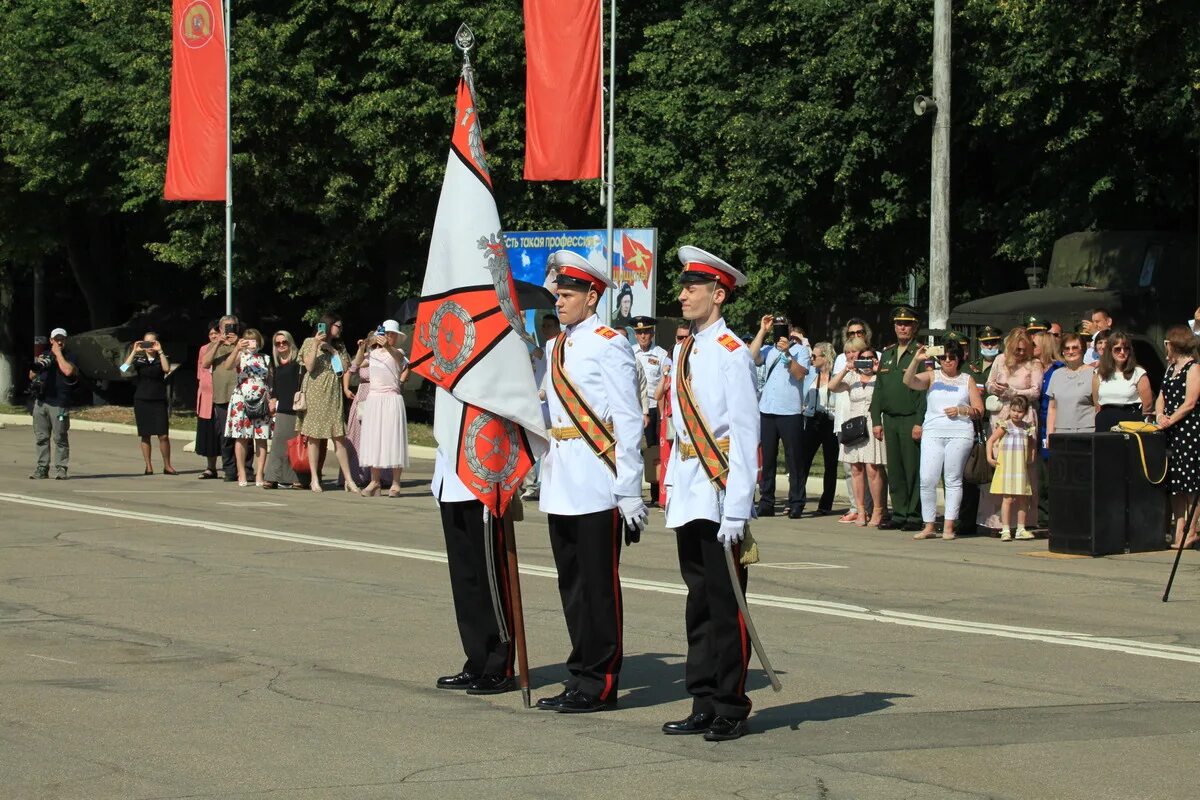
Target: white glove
732, 531
634, 512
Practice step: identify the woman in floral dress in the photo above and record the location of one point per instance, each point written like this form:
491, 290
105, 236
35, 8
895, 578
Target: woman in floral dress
250, 416
326, 361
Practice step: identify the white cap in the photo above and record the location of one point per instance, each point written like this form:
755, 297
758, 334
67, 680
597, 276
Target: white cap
391, 326
58, 332
699, 261
574, 267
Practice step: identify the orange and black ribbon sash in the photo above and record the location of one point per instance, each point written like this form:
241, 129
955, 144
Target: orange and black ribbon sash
598, 437
716, 463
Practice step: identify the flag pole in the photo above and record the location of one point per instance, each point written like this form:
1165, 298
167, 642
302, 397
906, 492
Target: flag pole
612, 105
228, 165
600, 122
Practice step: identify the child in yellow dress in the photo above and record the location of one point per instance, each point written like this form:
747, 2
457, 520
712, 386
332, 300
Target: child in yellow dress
1011, 450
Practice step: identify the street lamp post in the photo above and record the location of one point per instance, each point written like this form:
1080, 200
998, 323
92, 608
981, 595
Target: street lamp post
939, 206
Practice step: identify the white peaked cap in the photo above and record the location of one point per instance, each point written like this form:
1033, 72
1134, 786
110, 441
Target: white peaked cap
689, 255
569, 259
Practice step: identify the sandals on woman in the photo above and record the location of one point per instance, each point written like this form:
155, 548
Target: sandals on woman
208, 475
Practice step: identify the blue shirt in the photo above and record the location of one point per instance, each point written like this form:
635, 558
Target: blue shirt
782, 393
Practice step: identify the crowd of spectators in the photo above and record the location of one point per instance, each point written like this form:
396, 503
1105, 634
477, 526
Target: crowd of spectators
253, 401
902, 419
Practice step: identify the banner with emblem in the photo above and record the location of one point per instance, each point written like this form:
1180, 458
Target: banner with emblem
196, 151
469, 338
635, 255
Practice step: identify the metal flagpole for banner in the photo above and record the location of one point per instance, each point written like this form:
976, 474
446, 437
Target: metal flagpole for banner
228, 164
600, 122
612, 105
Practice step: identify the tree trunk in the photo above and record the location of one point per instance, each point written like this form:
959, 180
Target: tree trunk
7, 344
90, 253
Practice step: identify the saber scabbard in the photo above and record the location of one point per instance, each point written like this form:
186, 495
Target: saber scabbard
735, 581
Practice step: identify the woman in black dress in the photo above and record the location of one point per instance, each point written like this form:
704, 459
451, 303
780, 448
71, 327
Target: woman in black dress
1176, 406
148, 366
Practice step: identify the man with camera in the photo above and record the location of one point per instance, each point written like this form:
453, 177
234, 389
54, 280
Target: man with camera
50, 382
781, 403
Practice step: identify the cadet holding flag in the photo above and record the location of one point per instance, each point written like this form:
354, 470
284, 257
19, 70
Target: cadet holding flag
897, 412
591, 480
710, 480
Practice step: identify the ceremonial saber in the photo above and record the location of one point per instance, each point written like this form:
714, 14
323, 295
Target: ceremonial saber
489, 549
735, 580
518, 611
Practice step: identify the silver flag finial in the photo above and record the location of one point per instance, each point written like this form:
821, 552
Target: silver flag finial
464, 40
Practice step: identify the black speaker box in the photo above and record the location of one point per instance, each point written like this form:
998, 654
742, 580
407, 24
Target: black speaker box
1100, 499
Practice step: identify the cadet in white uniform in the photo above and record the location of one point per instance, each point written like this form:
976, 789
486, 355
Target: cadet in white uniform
591, 480
489, 665
713, 392
654, 361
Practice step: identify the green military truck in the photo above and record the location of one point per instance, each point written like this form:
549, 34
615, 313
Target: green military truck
1148, 281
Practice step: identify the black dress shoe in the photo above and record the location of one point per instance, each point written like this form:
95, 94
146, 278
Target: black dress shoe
795, 513
889, 525
822, 512
491, 684
460, 681
580, 703
552, 703
912, 526
766, 511
696, 722
723, 729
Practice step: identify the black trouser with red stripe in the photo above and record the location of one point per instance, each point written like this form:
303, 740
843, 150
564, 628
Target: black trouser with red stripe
718, 656
462, 524
587, 553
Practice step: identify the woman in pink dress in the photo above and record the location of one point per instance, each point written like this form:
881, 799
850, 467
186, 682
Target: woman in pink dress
208, 440
384, 439
360, 366
1014, 373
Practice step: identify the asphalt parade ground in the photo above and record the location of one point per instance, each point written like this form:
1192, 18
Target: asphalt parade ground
164, 637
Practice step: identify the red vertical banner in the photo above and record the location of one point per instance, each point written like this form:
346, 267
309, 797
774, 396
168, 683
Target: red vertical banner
562, 90
197, 150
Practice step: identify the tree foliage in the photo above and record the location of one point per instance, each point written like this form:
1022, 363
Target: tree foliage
776, 132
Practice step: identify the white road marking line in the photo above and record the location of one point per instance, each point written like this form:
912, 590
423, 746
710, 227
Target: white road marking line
143, 491
50, 658
820, 607
799, 565
252, 504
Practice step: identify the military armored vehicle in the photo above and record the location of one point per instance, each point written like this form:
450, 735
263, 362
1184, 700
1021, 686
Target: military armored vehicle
1148, 281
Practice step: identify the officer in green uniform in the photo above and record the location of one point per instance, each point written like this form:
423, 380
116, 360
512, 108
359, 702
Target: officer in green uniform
897, 413
979, 369
1035, 324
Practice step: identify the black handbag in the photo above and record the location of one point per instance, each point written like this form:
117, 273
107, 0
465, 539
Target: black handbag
977, 470
853, 431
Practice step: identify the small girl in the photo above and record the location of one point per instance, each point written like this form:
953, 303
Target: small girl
1011, 450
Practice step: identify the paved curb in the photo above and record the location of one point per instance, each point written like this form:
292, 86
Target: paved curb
415, 450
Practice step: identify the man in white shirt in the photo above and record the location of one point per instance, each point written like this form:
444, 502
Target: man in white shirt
591, 480
1101, 321
710, 486
654, 362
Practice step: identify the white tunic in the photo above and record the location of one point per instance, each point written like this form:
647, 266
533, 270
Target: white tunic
724, 385
600, 364
446, 486
653, 362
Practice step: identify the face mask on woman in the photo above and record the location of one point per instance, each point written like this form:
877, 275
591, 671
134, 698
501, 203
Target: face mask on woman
989, 352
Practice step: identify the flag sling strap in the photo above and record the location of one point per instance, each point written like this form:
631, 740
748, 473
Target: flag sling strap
716, 463
601, 441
